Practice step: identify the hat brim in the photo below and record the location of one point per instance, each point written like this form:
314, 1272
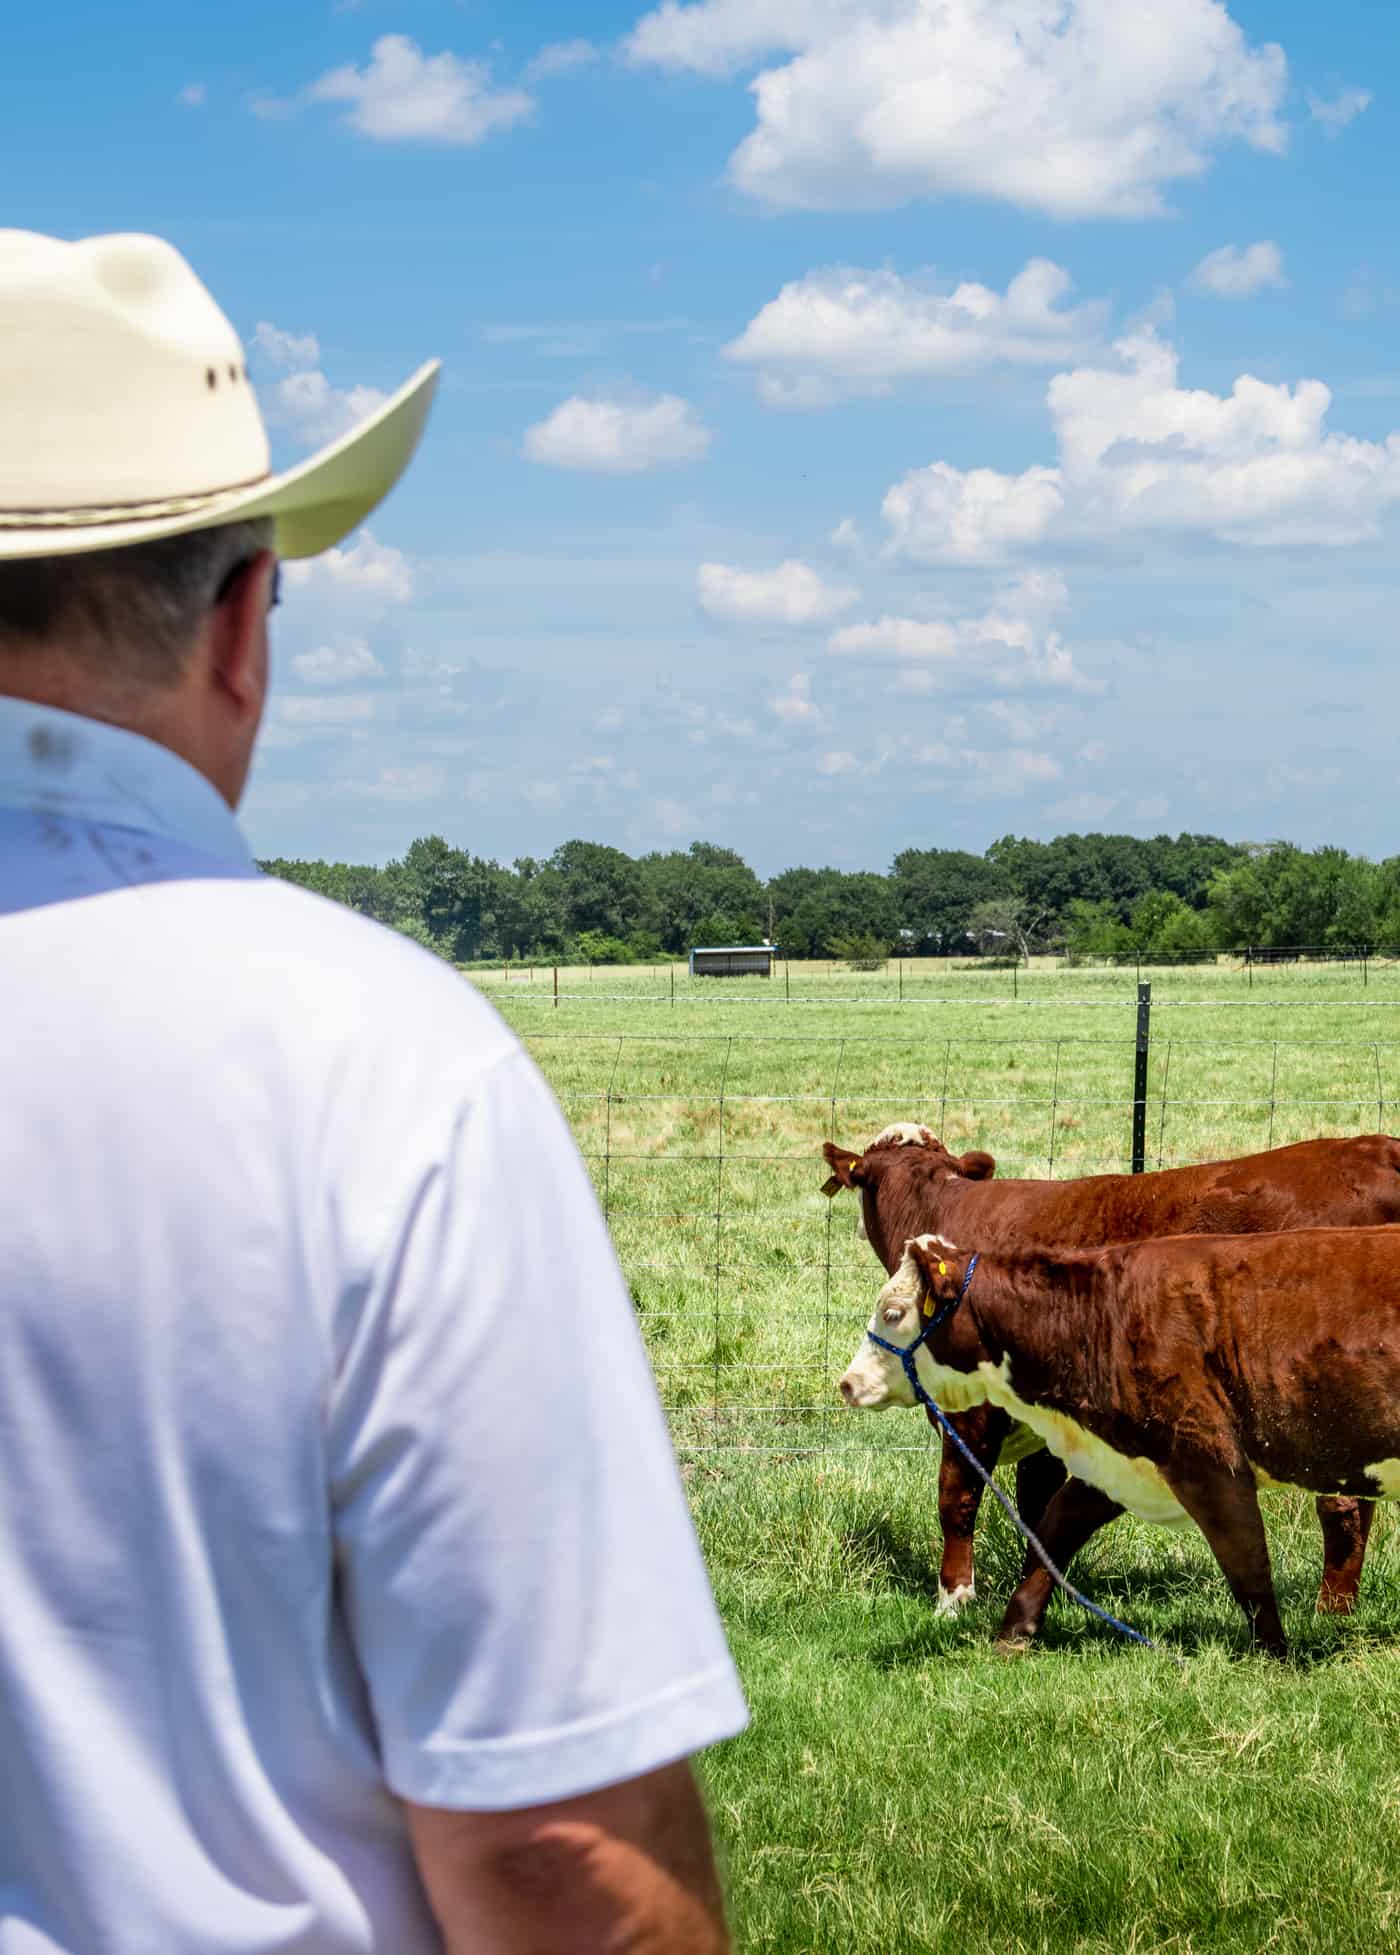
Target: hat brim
313, 505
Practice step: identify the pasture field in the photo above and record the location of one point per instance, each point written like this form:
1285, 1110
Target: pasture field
902, 1788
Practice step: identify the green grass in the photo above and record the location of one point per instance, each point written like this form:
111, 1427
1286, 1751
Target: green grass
903, 1788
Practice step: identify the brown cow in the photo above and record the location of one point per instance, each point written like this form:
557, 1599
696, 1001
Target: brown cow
911, 1185
1174, 1377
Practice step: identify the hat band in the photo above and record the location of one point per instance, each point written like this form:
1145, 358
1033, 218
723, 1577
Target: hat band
122, 512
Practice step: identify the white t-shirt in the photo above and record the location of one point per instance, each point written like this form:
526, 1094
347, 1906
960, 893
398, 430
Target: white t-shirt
331, 1465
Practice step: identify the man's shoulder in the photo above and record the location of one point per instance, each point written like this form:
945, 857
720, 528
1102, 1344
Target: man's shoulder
330, 974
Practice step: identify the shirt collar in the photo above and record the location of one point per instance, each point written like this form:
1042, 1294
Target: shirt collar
64, 764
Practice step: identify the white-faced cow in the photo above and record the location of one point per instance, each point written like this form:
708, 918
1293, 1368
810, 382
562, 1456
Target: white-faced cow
1173, 1377
910, 1185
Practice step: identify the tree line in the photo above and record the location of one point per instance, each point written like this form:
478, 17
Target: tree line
1089, 895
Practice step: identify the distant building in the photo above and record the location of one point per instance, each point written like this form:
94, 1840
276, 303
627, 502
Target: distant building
733, 960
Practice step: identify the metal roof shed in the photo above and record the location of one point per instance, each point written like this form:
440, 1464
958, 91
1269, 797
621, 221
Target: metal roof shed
733, 960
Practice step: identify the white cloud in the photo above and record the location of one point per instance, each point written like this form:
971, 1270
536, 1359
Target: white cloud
1011, 645
672, 817
363, 570
942, 514
791, 594
293, 352
1153, 808
1138, 454
618, 436
1232, 273
336, 710
1077, 108
837, 763
834, 334
1008, 770
405, 96
795, 707
301, 398
559, 58
193, 96
337, 665
421, 782
1344, 108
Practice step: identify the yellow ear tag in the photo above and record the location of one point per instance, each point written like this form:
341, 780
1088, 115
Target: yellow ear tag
927, 1310
943, 1269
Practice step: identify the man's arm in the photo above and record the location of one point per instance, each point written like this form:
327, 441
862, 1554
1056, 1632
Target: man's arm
625, 1871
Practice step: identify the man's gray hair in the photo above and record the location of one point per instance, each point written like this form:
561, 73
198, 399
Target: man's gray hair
129, 614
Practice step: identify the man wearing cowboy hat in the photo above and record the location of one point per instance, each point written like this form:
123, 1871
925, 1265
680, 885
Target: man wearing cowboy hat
348, 1600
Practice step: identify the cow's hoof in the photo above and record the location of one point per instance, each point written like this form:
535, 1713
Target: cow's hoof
952, 1601
1336, 1602
1017, 1644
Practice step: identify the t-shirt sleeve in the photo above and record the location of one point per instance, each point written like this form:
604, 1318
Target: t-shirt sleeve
517, 1563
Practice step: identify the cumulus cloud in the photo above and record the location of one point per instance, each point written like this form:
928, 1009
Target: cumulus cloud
403, 96
423, 781
363, 571
344, 709
337, 665
1341, 110
193, 96
791, 594
1011, 645
837, 763
942, 514
296, 394
796, 707
1138, 454
838, 333
621, 435
559, 58
1078, 108
1232, 273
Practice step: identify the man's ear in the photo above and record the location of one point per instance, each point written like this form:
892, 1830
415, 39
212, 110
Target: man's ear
977, 1166
848, 1170
238, 634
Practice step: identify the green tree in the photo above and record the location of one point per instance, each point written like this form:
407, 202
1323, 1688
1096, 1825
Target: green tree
937, 892
600, 888
701, 895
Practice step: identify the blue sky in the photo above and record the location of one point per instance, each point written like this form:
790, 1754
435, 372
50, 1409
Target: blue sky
865, 423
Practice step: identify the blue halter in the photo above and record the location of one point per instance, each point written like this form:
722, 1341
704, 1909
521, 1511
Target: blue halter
907, 1355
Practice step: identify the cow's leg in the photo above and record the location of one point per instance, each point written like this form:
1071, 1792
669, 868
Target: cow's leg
983, 1431
1075, 1513
1346, 1523
1039, 1478
1225, 1506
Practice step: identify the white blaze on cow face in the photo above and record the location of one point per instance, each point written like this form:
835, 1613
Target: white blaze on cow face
875, 1379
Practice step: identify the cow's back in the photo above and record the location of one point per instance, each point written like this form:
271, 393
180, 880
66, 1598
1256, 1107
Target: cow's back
1311, 1184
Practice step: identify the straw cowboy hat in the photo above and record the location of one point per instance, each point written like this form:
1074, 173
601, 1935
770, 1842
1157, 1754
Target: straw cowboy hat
126, 412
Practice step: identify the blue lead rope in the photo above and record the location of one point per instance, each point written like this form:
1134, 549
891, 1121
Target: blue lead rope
907, 1355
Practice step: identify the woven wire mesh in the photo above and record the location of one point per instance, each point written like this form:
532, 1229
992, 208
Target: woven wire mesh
752, 1290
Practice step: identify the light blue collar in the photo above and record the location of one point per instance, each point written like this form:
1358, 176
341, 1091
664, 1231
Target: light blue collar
59, 763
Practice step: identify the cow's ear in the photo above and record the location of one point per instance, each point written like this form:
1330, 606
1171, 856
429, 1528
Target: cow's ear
924, 1259
847, 1169
977, 1166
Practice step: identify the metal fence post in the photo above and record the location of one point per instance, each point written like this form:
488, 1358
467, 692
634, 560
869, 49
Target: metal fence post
556, 987
1140, 1057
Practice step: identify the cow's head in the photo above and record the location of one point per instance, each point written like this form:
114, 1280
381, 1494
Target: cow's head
898, 1176
930, 1272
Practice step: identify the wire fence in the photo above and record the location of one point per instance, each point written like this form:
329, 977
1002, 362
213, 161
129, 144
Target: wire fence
752, 1290
1254, 976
